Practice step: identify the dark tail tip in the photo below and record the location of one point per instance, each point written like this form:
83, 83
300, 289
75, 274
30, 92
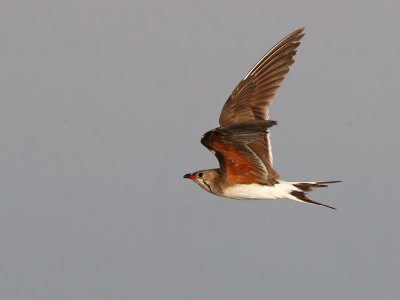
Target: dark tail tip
307, 186
301, 196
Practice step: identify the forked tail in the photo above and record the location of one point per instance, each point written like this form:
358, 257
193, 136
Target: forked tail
302, 188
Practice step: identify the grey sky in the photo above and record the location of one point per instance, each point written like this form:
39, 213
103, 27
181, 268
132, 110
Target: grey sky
103, 104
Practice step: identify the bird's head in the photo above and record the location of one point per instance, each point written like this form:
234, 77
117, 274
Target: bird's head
204, 178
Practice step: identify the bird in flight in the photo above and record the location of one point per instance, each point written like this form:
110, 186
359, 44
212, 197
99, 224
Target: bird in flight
241, 143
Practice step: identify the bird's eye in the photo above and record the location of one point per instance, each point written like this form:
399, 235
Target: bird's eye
200, 175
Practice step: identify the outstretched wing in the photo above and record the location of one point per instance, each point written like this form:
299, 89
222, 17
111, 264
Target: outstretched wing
249, 100
241, 150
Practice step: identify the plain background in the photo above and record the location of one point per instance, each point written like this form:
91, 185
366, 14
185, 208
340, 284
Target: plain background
102, 107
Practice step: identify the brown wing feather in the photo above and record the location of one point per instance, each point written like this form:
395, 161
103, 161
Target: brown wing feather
262, 149
236, 167
249, 100
241, 152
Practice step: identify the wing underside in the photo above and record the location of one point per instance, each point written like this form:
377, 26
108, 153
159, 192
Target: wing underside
250, 99
241, 150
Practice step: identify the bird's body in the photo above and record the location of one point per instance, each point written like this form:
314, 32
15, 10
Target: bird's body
241, 144
254, 191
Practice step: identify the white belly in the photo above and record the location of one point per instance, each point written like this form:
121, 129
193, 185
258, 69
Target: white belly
258, 191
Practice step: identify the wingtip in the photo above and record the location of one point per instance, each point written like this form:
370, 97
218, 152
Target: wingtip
299, 33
